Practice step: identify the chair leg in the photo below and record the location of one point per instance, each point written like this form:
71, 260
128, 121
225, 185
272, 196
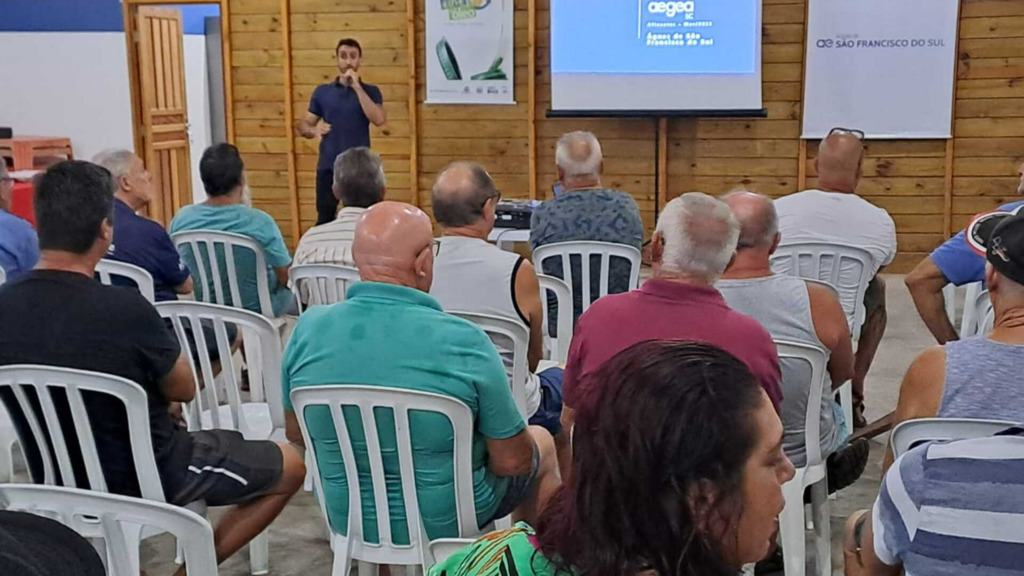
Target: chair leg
259, 554
179, 553
367, 568
846, 402
791, 530
132, 540
822, 528
341, 555
307, 484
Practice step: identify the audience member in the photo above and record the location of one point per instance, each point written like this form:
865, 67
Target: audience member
223, 176
696, 489
358, 183
472, 275
694, 241
795, 310
834, 214
19, 247
137, 240
65, 318
390, 332
978, 377
953, 262
944, 508
31, 545
586, 210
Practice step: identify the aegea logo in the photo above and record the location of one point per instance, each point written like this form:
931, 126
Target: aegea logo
671, 9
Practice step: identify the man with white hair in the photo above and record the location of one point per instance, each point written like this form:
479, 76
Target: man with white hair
586, 210
19, 247
137, 240
694, 242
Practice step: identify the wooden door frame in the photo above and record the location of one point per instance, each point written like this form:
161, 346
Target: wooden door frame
129, 11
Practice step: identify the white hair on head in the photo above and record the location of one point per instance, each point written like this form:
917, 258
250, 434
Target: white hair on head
579, 154
117, 161
699, 235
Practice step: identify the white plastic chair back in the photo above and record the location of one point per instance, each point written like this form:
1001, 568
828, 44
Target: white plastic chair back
824, 262
400, 402
981, 318
224, 404
105, 269
211, 256
563, 296
8, 439
118, 519
792, 521
582, 251
509, 338
908, 434
29, 383
321, 284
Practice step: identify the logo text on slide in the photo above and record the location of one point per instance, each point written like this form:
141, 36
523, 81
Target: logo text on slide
671, 9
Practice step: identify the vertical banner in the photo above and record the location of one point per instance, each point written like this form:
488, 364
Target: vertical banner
470, 51
882, 66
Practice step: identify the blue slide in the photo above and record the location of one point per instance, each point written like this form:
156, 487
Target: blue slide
654, 36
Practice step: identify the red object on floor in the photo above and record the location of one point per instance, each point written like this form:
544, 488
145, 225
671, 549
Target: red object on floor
21, 202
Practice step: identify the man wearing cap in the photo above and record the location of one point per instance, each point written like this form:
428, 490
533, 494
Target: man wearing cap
953, 262
978, 377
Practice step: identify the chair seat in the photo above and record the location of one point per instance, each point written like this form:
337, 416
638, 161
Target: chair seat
257, 416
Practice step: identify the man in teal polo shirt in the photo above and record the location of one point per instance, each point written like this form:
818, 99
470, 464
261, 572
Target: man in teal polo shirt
391, 332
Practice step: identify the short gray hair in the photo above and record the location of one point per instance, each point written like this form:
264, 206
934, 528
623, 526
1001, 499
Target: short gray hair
455, 207
579, 154
359, 177
699, 235
117, 161
757, 228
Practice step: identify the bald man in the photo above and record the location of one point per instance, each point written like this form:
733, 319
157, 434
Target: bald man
834, 214
794, 310
390, 332
586, 210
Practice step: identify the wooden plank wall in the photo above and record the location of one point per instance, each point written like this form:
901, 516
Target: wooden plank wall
908, 178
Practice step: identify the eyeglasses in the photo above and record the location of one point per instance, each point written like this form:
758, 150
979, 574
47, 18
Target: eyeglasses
436, 247
496, 197
858, 134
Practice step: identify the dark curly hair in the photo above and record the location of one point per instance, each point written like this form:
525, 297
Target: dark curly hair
657, 467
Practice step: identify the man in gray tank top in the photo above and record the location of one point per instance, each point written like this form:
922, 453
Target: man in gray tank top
978, 377
794, 310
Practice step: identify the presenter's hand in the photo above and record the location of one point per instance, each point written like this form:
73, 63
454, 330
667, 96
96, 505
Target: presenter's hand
323, 128
352, 79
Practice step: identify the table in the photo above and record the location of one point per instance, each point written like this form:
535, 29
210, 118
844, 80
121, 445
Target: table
505, 238
21, 202
23, 149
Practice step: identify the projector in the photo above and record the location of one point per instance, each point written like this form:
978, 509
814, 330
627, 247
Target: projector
514, 213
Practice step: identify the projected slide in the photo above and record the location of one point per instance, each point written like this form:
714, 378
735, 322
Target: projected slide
657, 37
642, 55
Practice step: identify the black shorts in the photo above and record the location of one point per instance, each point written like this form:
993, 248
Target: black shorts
227, 469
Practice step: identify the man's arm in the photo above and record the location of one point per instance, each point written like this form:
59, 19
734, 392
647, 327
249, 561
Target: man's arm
178, 385
185, 287
510, 456
925, 283
308, 127
528, 301
371, 104
282, 275
859, 549
291, 428
833, 331
920, 392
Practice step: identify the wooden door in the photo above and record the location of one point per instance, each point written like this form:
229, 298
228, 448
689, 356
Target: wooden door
164, 113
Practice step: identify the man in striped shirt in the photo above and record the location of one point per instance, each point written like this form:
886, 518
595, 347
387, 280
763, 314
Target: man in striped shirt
358, 183
945, 508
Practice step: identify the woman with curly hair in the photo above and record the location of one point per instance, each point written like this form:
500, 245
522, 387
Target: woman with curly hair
678, 472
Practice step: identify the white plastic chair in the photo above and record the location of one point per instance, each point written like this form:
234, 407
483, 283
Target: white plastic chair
204, 246
116, 519
8, 440
3, 276
508, 336
908, 434
968, 322
143, 280
400, 402
221, 407
559, 346
321, 284
981, 318
568, 251
814, 474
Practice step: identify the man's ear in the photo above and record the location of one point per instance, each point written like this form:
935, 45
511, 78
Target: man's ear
775, 243
657, 247
424, 262
992, 280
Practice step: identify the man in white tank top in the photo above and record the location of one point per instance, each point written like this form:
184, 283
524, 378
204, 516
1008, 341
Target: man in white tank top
473, 275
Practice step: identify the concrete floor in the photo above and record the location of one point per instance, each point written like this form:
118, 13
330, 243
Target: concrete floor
298, 546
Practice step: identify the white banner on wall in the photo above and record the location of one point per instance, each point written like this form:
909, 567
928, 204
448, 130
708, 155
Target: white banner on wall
470, 52
882, 66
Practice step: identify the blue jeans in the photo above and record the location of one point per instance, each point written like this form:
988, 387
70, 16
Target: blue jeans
549, 414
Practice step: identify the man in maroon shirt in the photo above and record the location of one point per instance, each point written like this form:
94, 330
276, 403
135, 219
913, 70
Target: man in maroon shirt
694, 242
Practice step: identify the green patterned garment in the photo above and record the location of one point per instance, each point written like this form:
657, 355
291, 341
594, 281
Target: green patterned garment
505, 553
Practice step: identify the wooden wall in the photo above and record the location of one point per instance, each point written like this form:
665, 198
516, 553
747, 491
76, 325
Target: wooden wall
930, 187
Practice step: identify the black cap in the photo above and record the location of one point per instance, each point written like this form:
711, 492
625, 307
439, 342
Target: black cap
1000, 237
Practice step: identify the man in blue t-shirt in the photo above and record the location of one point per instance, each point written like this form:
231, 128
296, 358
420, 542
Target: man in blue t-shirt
340, 113
19, 248
955, 263
137, 240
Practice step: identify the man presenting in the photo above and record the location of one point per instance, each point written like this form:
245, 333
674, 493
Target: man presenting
340, 113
